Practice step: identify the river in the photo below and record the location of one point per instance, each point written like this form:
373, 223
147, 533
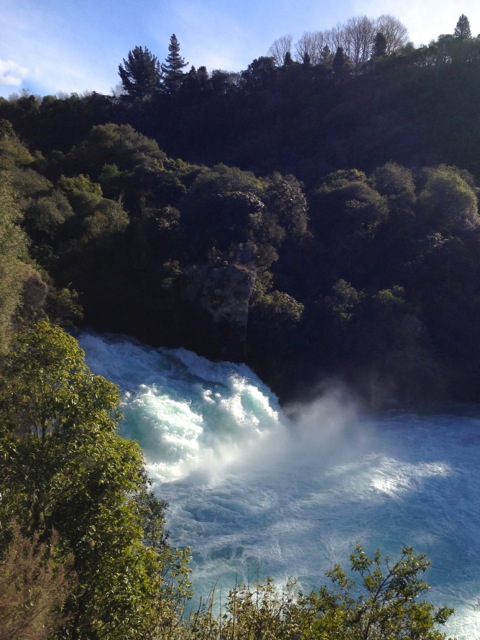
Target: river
258, 491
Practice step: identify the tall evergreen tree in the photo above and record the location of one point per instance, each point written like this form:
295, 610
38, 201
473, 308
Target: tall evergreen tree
340, 63
326, 57
173, 66
462, 30
379, 46
140, 73
287, 61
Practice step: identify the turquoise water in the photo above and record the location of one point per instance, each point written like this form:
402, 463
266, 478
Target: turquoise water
257, 492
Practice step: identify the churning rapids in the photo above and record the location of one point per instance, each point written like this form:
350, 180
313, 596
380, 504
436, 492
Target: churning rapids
258, 494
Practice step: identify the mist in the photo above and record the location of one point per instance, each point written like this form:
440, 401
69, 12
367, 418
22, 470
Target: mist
258, 491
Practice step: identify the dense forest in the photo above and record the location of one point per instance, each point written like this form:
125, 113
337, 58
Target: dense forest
315, 216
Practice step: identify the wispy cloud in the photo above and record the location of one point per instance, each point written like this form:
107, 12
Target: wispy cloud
11, 73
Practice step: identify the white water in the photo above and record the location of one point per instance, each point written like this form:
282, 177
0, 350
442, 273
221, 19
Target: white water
256, 494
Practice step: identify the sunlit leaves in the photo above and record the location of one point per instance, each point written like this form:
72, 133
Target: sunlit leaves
65, 467
448, 202
13, 248
377, 599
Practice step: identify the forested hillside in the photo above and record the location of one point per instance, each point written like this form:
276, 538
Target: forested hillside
315, 218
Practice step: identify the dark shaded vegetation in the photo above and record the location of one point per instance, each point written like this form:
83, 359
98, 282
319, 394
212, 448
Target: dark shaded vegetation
322, 221
315, 216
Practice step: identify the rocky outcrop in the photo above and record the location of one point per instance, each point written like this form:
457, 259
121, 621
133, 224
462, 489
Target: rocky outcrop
223, 292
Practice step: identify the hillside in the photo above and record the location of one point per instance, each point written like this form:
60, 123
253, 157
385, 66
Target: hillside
317, 221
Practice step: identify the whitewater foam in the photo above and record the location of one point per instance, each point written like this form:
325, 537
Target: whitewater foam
257, 494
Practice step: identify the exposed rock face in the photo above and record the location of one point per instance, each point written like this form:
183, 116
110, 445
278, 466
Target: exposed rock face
224, 293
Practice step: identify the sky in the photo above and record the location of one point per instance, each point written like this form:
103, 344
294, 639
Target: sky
54, 47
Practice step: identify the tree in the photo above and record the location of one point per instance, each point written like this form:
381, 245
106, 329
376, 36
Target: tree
259, 73
173, 66
13, 249
33, 588
397, 184
44, 208
340, 63
285, 198
384, 604
310, 45
396, 34
379, 46
326, 57
448, 202
462, 30
116, 144
279, 49
356, 38
65, 468
359, 34
140, 73
287, 61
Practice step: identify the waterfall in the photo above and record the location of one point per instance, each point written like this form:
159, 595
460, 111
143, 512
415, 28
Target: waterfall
256, 493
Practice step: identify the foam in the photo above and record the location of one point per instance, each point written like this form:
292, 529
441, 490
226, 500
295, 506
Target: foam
258, 494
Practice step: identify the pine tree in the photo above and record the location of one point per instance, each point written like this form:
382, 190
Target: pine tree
462, 30
340, 63
173, 66
379, 46
140, 73
326, 57
287, 61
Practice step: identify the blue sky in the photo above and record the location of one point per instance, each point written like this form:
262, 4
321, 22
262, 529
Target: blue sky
65, 46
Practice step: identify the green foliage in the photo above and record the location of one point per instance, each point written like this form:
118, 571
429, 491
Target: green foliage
140, 73
341, 64
44, 208
379, 46
222, 212
462, 29
34, 587
172, 68
128, 225
13, 249
95, 217
120, 145
347, 210
448, 202
286, 199
397, 184
270, 349
383, 603
65, 468
262, 612
6, 129
376, 600
13, 153
344, 301
64, 308
79, 184
259, 74
342, 178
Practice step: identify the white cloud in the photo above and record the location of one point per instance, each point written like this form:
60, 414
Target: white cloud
11, 73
